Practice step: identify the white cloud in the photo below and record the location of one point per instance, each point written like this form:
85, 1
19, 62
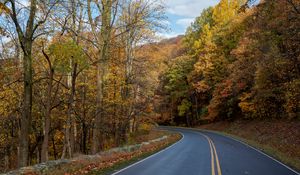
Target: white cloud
185, 22
182, 13
188, 8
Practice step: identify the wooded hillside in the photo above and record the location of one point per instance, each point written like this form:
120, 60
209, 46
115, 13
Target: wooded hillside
241, 63
82, 76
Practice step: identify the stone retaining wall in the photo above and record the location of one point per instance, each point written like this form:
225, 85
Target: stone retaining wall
47, 166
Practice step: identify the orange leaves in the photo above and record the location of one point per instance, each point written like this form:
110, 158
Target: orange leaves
225, 89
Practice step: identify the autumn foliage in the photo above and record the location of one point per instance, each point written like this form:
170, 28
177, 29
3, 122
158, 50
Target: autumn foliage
71, 80
246, 65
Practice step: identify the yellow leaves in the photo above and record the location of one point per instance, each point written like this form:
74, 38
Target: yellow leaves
292, 96
207, 32
59, 136
245, 104
225, 11
197, 44
145, 126
4, 8
205, 39
8, 99
3, 139
205, 63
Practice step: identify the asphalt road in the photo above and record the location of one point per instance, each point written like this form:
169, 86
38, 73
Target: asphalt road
206, 153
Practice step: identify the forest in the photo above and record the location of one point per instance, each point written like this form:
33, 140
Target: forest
240, 62
70, 79
81, 76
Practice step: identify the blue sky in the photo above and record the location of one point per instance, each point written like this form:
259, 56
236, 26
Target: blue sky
182, 12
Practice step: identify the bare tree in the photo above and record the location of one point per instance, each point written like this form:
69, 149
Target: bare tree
140, 19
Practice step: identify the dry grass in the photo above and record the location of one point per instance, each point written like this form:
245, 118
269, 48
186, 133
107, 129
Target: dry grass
144, 136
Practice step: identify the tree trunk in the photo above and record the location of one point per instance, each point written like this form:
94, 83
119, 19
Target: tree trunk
54, 148
27, 108
84, 138
84, 135
99, 113
69, 131
196, 101
45, 145
105, 36
26, 44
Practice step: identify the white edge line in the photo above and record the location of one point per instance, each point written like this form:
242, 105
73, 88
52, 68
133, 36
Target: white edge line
150, 156
286, 166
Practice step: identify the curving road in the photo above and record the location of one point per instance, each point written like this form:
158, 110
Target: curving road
207, 153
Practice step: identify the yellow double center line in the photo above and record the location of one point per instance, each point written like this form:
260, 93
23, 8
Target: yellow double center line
214, 155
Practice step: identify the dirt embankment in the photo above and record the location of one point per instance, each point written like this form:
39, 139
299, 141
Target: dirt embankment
278, 138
